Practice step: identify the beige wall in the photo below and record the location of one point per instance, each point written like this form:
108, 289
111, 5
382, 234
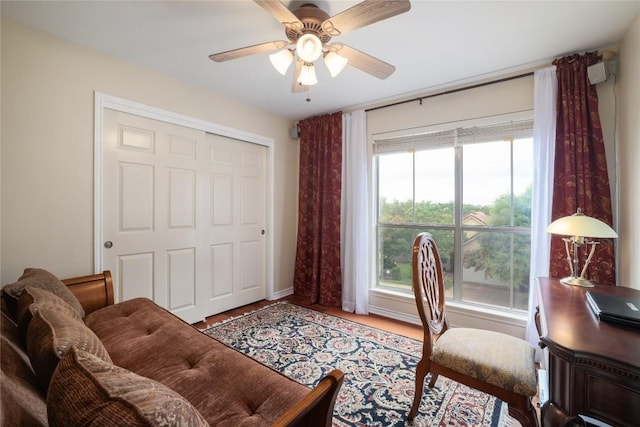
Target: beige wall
629, 156
47, 149
486, 101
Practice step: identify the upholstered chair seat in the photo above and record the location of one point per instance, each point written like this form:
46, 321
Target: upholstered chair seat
499, 359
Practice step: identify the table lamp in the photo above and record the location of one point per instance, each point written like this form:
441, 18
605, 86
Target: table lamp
580, 228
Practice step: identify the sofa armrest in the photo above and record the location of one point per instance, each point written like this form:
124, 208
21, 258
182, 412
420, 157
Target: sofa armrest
93, 292
316, 409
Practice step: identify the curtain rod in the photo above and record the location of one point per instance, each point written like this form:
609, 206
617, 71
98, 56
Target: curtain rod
446, 92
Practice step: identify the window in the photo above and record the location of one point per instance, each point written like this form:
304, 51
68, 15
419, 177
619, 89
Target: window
470, 188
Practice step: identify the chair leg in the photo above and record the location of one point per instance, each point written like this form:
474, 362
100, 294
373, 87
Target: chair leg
434, 378
421, 372
527, 417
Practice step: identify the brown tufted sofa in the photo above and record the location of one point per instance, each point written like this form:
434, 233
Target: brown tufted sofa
70, 356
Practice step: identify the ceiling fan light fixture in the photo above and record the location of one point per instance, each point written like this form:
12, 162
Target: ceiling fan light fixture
307, 75
309, 29
309, 47
335, 63
281, 60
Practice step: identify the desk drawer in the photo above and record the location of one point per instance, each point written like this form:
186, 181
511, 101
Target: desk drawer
607, 397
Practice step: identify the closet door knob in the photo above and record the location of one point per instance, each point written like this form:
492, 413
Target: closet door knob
108, 244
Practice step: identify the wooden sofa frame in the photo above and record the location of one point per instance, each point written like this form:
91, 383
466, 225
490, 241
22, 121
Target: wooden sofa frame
314, 410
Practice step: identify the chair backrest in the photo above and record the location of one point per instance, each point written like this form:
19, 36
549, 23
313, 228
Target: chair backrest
428, 284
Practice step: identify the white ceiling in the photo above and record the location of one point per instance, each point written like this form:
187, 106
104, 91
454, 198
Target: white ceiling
436, 45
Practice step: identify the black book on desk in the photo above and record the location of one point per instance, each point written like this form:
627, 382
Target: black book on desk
615, 308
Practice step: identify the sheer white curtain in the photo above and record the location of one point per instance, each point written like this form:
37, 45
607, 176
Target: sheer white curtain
355, 230
544, 133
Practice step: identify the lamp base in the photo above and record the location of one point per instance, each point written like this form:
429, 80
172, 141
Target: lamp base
577, 281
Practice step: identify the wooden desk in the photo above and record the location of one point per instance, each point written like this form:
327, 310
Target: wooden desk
593, 366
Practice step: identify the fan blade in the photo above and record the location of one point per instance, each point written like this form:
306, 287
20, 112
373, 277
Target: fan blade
295, 86
281, 13
362, 61
362, 14
249, 50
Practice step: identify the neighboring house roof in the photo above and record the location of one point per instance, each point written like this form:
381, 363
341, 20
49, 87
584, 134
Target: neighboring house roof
475, 218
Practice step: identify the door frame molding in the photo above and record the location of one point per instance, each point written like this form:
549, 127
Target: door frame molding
103, 101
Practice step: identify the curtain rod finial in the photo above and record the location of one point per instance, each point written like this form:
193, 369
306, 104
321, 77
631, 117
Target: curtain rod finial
608, 55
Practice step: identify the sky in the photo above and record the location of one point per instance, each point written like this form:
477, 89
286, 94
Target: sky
486, 173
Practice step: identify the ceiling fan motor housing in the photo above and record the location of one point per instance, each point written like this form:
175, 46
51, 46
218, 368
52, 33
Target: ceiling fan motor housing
312, 18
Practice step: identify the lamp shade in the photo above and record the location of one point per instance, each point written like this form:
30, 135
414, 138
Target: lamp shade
335, 63
281, 60
581, 225
307, 75
309, 47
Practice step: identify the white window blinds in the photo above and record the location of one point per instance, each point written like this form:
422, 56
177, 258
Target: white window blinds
456, 136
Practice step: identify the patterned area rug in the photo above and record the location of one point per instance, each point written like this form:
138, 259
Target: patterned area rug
379, 368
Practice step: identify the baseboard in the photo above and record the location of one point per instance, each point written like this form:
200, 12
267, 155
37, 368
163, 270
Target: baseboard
404, 317
281, 294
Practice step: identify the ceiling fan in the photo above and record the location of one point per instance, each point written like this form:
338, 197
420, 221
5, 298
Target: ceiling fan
309, 30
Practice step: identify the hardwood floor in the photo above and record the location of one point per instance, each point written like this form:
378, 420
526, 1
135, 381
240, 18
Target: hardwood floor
380, 322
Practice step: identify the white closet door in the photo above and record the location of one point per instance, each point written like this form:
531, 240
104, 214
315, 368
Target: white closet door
236, 238
171, 207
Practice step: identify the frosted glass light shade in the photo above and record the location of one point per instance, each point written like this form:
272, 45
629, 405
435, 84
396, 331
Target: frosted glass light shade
335, 63
281, 60
307, 75
309, 47
581, 225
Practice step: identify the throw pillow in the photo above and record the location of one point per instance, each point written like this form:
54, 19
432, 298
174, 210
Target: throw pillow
34, 298
42, 279
86, 390
50, 335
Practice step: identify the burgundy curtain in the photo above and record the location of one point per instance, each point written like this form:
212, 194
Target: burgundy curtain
580, 172
317, 271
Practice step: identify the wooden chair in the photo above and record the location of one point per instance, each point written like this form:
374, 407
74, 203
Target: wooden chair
494, 363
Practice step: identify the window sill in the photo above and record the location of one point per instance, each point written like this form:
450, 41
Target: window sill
401, 306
